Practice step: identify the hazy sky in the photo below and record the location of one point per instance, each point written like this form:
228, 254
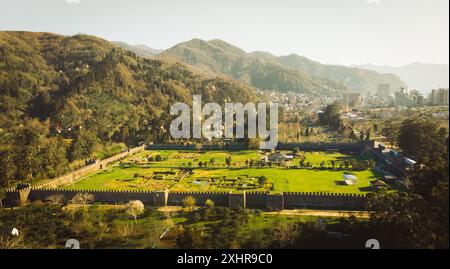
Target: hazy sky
393, 32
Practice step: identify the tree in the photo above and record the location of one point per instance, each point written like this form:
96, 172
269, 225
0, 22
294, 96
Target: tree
284, 235
422, 141
82, 198
54, 162
302, 163
390, 131
7, 167
407, 216
209, 203
368, 134
189, 238
253, 143
189, 202
83, 145
228, 161
28, 148
375, 127
198, 146
331, 117
262, 180
135, 208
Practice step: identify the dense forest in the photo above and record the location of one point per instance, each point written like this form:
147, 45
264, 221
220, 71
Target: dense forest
64, 99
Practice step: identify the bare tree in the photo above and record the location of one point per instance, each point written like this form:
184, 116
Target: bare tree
135, 208
82, 198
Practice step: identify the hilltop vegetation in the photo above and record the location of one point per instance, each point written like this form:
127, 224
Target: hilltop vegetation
218, 57
65, 97
140, 50
268, 72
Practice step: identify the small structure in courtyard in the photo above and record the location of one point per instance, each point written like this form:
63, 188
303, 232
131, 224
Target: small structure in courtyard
279, 157
349, 179
378, 184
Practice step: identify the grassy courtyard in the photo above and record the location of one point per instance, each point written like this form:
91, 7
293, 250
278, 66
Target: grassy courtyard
294, 180
118, 178
140, 176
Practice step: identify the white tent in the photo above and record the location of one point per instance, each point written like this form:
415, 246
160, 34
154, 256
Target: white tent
349, 177
350, 182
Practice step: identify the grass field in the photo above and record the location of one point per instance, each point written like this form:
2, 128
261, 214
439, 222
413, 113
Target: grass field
118, 178
296, 180
239, 157
171, 156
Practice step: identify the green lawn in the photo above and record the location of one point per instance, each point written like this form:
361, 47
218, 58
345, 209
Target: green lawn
175, 156
118, 178
315, 158
294, 180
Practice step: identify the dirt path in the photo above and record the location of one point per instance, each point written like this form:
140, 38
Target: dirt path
296, 212
321, 213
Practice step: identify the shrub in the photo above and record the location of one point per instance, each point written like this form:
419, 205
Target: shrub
209, 203
189, 202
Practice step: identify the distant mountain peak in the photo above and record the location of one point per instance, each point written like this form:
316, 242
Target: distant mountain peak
140, 50
420, 76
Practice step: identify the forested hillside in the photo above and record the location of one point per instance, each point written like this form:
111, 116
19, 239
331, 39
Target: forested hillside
285, 73
64, 99
219, 57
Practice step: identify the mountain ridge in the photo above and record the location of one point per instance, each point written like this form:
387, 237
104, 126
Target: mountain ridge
217, 56
140, 50
282, 73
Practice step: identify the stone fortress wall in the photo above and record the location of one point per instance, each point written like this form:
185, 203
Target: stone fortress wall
258, 200
255, 200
